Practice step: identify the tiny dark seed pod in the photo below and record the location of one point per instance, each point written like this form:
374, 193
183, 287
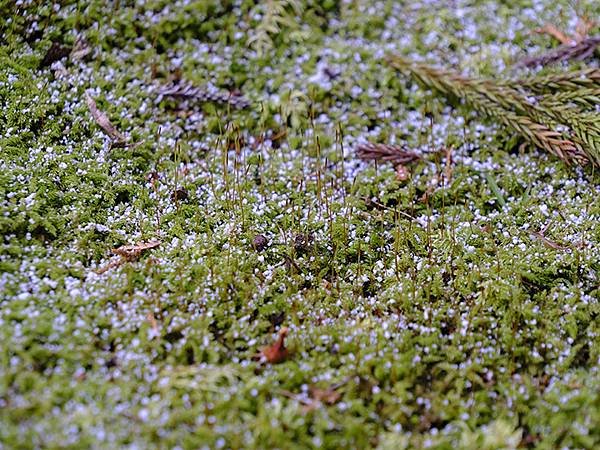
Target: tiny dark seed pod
180, 194
259, 243
302, 243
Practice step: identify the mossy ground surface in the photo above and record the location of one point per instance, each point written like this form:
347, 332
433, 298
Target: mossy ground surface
432, 305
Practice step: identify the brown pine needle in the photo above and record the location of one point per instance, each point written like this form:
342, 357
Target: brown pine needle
127, 253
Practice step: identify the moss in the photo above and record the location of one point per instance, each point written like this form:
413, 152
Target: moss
456, 308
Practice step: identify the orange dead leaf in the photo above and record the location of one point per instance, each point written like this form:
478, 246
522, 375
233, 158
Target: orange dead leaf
276, 352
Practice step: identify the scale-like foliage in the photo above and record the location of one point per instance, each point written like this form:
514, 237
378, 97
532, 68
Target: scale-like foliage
555, 113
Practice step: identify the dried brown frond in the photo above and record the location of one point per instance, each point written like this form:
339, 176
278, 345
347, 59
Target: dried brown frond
186, 90
566, 52
388, 153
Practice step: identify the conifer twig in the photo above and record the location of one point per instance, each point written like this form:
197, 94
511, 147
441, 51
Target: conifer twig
559, 128
567, 81
585, 97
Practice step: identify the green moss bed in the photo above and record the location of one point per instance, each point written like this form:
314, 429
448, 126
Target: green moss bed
453, 308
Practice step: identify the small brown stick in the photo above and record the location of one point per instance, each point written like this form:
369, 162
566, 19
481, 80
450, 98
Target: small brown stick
553, 31
104, 122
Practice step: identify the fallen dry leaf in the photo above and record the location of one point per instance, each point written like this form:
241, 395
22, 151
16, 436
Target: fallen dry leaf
127, 253
329, 395
276, 352
103, 121
133, 252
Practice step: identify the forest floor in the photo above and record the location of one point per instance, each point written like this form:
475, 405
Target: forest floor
452, 302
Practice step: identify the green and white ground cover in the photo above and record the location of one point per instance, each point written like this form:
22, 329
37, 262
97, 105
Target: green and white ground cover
458, 308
